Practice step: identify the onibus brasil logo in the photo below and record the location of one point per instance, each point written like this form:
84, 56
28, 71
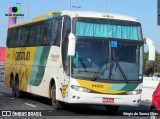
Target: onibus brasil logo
14, 11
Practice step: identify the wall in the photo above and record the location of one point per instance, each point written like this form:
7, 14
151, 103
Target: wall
2, 53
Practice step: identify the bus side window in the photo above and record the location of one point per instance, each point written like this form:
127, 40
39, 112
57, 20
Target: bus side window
23, 36
53, 32
66, 31
44, 34
39, 34
30, 36
17, 38
9, 37
48, 26
14, 38
59, 20
56, 33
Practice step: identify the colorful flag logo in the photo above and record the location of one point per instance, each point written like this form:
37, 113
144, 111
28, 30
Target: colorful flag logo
15, 10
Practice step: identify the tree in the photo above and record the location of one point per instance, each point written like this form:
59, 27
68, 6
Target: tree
151, 67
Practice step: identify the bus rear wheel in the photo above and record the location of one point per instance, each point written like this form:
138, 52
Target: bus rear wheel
19, 93
13, 88
112, 109
57, 105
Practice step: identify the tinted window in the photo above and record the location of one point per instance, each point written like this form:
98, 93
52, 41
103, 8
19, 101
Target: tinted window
38, 33
66, 31
42, 33
9, 37
16, 34
17, 37
23, 36
57, 24
30, 36
48, 25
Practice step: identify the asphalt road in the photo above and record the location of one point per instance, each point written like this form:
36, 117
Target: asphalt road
36, 103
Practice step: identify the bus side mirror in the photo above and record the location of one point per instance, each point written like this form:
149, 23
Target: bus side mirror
71, 44
151, 47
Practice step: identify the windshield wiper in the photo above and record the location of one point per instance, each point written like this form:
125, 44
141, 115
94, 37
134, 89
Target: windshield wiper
121, 70
97, 73
119, 67
112, 59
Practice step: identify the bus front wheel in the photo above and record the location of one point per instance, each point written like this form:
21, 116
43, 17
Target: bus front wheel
55, 103
112, 109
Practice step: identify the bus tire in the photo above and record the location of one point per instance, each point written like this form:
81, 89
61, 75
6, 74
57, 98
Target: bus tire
13, 88
111, 109
19, 93
57, 105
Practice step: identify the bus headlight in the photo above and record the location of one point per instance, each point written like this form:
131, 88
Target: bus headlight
134, 92
81, 89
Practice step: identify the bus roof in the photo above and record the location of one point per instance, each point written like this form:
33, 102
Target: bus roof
72, 14
104, 15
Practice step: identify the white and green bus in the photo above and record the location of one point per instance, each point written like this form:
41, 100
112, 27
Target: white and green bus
77, 57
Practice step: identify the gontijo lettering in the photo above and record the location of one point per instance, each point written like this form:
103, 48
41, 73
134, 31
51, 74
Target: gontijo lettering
22, 55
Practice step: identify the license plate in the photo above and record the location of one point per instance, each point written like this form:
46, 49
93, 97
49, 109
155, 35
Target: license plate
111, 100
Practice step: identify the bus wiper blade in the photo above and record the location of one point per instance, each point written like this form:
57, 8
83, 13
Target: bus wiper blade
97, 73
121, 70
119, 66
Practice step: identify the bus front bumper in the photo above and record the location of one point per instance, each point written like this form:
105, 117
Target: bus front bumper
77, 97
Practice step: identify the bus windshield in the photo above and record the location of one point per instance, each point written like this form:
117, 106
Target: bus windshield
96, 58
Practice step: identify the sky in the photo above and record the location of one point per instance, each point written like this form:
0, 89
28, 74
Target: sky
144, 10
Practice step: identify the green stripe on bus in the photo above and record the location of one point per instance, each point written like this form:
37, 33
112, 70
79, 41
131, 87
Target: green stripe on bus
130, 86
117, 86
38, 70
35, 65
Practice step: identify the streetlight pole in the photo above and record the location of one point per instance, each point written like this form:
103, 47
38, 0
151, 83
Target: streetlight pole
106, 6
20, 11
69, 5
76, 7
28, 9
20, 6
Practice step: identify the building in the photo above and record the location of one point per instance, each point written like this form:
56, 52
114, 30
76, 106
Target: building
2, 53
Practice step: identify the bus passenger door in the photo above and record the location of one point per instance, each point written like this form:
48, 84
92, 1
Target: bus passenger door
65, 58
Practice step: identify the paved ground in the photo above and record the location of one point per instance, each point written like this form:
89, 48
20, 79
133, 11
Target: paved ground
30, 103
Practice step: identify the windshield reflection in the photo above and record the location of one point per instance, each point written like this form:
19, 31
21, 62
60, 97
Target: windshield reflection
96, 59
